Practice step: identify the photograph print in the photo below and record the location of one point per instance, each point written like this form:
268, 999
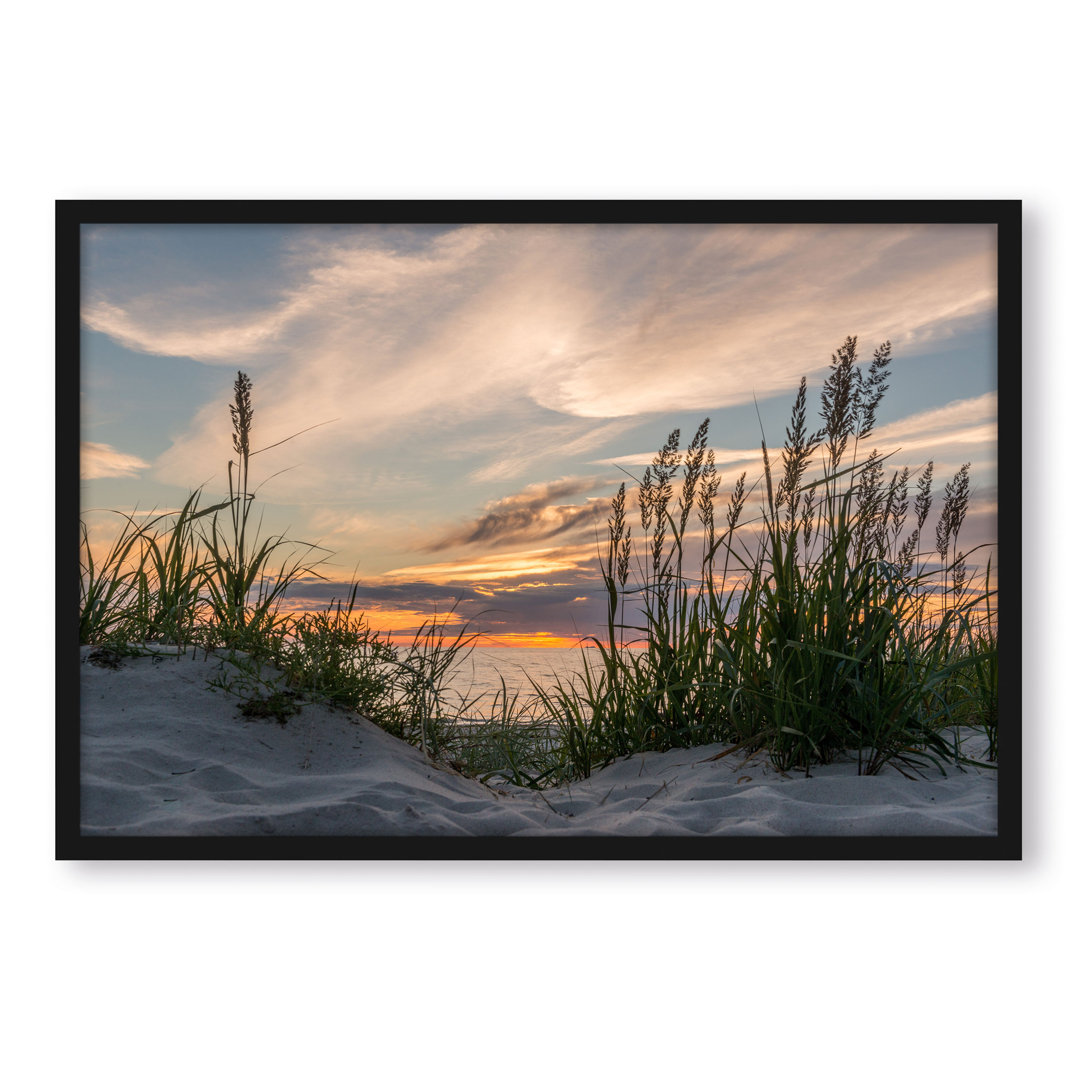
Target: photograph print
557, 530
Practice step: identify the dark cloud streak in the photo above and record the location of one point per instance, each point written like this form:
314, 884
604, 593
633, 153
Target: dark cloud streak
530, 515
564, 608
412, 594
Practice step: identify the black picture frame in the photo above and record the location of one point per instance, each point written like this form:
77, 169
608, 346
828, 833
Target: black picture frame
72, 215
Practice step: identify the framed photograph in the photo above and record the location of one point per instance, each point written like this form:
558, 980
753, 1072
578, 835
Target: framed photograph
538, 530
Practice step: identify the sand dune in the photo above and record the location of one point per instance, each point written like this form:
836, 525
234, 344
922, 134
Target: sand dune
165, 755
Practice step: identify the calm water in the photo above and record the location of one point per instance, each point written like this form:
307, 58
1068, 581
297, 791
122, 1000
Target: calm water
479, 673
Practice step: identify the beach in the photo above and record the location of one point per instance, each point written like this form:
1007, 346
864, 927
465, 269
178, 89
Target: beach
164, 753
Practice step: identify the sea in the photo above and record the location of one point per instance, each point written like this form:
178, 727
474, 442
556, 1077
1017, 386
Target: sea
478, 675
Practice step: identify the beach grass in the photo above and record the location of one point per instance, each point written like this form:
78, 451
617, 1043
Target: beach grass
207, 578
816, 628
810, 622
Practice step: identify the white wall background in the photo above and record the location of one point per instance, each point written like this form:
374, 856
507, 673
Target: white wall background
323, 970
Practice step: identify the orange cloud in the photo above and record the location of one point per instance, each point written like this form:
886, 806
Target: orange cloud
496, 567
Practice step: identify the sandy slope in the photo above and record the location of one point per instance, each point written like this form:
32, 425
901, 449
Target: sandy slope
162, 754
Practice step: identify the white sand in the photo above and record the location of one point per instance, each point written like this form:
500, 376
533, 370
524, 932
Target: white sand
164, 755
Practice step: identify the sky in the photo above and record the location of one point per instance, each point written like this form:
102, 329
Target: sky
466, 399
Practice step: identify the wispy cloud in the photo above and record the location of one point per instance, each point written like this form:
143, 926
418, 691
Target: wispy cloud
722, 456
486, 322
968, 420
514, 451
99, 460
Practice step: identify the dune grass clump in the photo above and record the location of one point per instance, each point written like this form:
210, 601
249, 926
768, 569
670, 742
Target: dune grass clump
817, 628
241, 592
184, 577
207, 578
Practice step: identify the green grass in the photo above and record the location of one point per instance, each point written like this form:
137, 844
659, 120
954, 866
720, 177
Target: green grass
815, 629
810, 622
206, 578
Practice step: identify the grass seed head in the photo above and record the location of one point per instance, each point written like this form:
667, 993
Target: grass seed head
242, 414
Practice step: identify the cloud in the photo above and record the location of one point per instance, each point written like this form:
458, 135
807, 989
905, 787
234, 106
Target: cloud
99, 460
405, 594
721, 457
509, 609
742, 309
512, 454
535, 564
411, 334
967, 420
969, 423
528, 516
182, 321
139, 328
